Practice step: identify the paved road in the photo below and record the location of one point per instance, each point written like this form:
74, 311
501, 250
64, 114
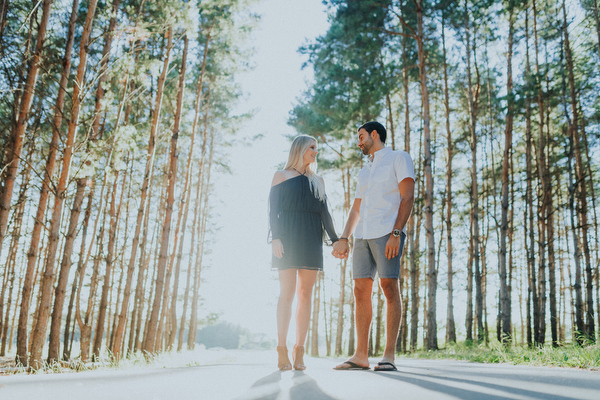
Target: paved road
245, 375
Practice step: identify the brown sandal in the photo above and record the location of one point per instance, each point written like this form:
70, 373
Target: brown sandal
298, 356
284, 363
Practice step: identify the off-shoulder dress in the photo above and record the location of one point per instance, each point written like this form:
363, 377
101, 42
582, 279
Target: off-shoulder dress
299, 220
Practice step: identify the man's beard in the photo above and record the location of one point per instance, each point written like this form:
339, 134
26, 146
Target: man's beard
366, 147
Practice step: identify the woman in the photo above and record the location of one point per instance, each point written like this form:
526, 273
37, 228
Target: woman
298, 215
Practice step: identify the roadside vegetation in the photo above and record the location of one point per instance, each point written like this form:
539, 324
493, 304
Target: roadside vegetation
568, 355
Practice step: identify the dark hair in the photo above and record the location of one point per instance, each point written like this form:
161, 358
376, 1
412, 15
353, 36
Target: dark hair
375, 126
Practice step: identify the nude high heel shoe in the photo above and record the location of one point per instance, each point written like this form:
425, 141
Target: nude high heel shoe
298, 357
284, 363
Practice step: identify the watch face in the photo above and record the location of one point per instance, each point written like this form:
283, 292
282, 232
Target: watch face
396, 233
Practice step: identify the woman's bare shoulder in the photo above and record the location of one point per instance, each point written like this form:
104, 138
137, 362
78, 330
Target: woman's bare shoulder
279, 177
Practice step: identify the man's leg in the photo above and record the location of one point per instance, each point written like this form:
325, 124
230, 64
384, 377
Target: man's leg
363, 288
394, 315
363, 269
363, 315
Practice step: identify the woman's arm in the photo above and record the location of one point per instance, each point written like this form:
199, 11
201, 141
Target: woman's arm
326, 219
274, 209
342, 247
328, 223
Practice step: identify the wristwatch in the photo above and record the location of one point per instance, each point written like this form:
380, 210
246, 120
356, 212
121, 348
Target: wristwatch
396, 232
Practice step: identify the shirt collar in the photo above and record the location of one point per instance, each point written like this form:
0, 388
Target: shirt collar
379, 154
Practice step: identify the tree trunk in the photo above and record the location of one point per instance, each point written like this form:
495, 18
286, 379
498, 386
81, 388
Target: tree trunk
124, 186
74, 290
191, 258
431, 337
473, 95
138, 304
328, 321
6, 338
595, 13
201, 234
168, 317
511, 230
378, 321
590, 173
12, 157
554, 317
107, 285
10, 266
39, 333
410, 230
540, 327
343, 266
416, 270
85, 323
151, 338
3, 14
505, 306
580, 173
529, 234
579, 322
65, 267
201, 194
43, 199
450, 324
103, 67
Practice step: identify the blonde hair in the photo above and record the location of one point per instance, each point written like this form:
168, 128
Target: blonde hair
295, 160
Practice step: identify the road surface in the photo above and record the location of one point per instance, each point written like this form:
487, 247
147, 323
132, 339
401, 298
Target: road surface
245, 375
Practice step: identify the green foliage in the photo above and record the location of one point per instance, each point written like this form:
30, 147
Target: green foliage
350, 72
565, 356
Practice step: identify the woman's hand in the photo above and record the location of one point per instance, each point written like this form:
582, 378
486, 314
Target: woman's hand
341, 248
277, 247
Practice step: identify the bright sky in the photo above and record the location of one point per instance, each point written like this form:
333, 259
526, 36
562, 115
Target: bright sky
239, 283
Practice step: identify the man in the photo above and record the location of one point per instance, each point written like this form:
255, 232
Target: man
382, 205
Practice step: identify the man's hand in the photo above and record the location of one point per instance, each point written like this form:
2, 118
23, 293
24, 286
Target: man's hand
341, 248
277, 248
392, 247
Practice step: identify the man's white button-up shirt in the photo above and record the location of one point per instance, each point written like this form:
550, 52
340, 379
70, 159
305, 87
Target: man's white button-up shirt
377, 188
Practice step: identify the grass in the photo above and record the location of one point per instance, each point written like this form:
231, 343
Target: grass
568, 356
106, 362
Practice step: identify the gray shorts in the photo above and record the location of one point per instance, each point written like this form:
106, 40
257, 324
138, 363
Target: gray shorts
368, 258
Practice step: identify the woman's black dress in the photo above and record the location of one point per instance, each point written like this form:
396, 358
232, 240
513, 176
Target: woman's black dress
298, 219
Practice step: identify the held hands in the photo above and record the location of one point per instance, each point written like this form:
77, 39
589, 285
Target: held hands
277, 248
341, 248
392, 247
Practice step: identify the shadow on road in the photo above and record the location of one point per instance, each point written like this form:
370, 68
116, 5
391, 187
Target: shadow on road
462, 393
570, 380
306, 387
300, 387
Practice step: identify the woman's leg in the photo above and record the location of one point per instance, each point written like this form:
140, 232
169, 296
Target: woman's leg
306, 281
287, 285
